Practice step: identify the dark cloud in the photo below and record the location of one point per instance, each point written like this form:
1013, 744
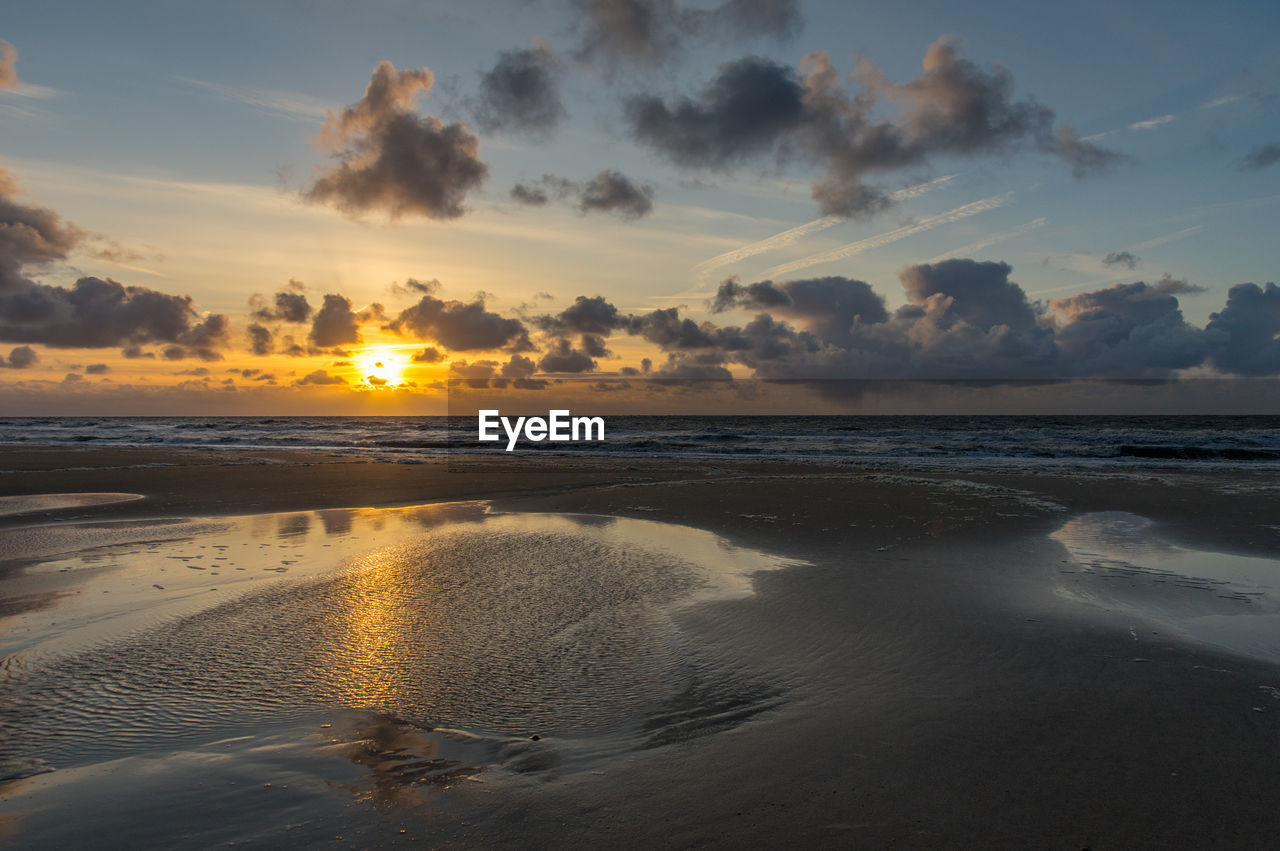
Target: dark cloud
518, 367
562, 357
682, 366
289, 305
460, 326
261, 340
428, 355
21, 357
747, 109
608, 192
1128, 329
97, 369
966, 320
1121, 258
595, 346
97, 313
1243, 336
94, 312
594, 315
612, 192
8, 65
521, 93
135, 353
1263, 156
335, 323
530, 195
775, 18
977, 293
1085, 158
29, 236
320, 376
756, 107
647, 32
665, 328
389, 158
830, 306
641, 31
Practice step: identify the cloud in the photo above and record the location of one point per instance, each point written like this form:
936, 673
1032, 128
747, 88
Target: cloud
29, 236
460, 326
755, 107
795, 234
94, 312
320, 377
288, 305
291, 104
1127, 328
335, 323
1121, 258
859, 246
608, 192
611, 192
1263, 156
97, 313
775, 18
1151, 123
1084, 157
261, 340
8, 66
647, 32
966, 319
388, 158
594, 315
1243, 335
562, 357
746, 110
521, 93
829, 307
97, 369
21, 357
518, 367
428, 355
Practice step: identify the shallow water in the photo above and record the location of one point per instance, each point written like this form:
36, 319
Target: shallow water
1119, 562
143, 636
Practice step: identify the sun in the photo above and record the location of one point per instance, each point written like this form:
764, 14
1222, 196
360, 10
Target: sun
380, 368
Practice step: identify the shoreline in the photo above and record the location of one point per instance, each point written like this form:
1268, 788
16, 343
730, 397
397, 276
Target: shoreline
1233, 511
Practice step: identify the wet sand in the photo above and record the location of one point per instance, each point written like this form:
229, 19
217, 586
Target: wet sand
928, 660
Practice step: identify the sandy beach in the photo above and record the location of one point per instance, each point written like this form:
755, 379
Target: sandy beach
305, 649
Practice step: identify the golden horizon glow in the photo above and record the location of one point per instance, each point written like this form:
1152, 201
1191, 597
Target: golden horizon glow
381, 368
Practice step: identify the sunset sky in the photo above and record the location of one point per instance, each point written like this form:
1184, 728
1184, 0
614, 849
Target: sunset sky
322, 207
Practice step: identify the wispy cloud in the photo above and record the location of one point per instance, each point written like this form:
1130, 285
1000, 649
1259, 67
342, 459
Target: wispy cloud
31, 90
795, 234
292, 104
929, 223
1169, 237
991, 239
1151, 123
1221, 101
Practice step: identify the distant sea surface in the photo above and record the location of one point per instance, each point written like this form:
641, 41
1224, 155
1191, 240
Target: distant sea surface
890, 441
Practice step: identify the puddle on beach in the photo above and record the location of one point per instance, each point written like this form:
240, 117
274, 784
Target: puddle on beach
1121, 564
468, 631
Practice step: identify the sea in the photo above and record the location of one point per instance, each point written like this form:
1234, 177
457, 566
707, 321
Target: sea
1003, 442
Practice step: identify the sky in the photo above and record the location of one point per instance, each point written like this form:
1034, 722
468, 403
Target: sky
325, 207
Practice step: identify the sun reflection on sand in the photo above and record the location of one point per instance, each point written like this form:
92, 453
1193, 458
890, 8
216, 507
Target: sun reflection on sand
451, 615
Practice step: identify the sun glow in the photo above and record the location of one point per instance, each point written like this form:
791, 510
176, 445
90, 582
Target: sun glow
380, 368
